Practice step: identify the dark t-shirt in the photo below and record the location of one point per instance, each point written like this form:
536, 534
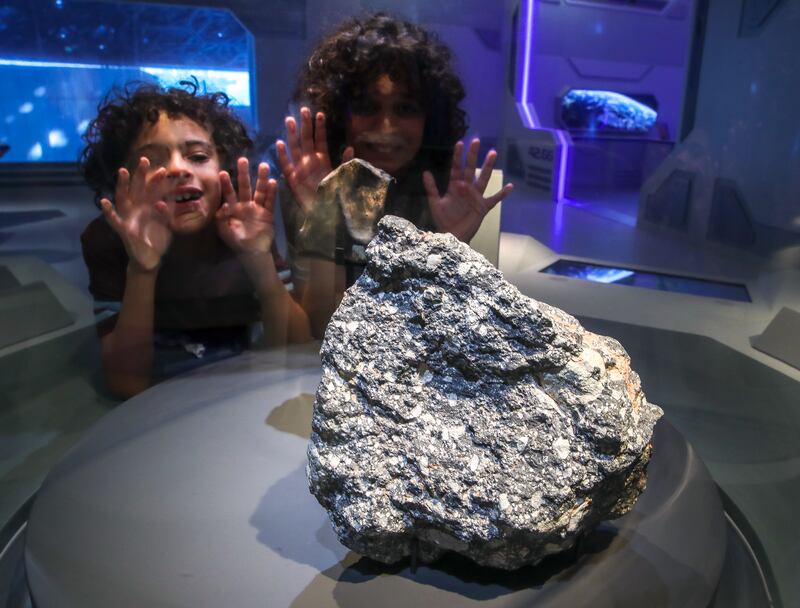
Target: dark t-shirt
204, 308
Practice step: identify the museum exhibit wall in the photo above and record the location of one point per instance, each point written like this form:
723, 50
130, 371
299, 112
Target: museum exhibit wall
630, 51
739, 158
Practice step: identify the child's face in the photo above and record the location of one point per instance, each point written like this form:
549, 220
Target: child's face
192, 188
386, 126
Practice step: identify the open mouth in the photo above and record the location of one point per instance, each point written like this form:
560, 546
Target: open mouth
383, 149
188, 196
381, 145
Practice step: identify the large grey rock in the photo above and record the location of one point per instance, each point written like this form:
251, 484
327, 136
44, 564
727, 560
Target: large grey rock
456, 414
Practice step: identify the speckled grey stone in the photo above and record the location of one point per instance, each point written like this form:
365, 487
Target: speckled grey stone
456, 414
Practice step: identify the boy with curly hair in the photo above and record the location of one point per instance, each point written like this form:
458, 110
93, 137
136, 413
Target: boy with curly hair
383, 90
187, 258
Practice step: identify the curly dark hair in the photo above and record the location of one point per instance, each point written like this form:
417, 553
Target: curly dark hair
125, 110
358, 52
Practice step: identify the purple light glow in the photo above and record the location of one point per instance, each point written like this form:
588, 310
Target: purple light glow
557, 228
528, 113
526, 109
564, 147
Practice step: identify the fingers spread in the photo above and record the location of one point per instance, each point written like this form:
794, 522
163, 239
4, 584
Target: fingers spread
154, 179
321, 135
140, 180
472, 160
243, 178
293, 139
154, 185
122, 191
142, 167
283, 158
306, 132
137, 180
504, 192
486, 171
110, 214
228, 193
262, 183
269, 198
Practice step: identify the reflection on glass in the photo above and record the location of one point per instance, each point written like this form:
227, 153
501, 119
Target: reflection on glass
709, 189
384, 92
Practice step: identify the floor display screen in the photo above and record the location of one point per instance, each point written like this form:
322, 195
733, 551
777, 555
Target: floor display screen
648, 280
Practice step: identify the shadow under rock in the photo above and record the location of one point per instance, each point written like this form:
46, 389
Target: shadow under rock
477, 581
450, 581
290, 521
293, 416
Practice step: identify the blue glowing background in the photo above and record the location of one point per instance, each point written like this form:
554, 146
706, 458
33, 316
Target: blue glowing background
59, 58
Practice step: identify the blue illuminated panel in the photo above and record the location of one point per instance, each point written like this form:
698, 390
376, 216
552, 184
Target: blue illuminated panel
59, 59
648, 280
605, 110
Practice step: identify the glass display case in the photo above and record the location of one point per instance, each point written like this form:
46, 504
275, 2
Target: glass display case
654, 152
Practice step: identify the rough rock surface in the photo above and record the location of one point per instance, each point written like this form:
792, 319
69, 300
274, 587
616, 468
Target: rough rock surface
456, 414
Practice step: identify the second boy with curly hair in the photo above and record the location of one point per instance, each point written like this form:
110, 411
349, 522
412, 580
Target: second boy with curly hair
384, 90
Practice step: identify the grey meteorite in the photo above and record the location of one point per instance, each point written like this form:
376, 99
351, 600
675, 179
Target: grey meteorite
456, 414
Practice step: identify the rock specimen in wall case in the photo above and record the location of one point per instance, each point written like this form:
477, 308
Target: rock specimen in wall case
456, 414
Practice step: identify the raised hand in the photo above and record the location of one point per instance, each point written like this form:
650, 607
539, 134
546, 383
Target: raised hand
140, 216
310, 161
462, 208
246, 223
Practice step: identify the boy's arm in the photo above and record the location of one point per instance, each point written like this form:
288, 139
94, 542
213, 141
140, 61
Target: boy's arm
127, 351
246, 223
139, 217
321, 292
284, 320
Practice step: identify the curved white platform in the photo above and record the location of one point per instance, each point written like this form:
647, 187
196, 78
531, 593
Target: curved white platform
194, 494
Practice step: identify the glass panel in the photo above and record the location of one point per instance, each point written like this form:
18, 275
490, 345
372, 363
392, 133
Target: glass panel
161, 319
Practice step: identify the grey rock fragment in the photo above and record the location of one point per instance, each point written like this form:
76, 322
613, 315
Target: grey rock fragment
355, 193
455, 411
